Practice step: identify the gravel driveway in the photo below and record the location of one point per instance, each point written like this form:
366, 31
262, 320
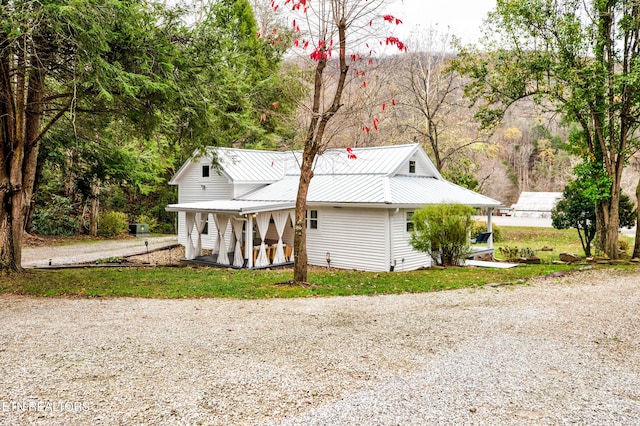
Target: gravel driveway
90, 252
555, 351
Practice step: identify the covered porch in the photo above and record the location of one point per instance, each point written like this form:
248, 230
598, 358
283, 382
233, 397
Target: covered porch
247, 234
483, 245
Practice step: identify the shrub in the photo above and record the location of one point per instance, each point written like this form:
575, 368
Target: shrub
442, 231
479, 227
55, 217
111, 224
623, 244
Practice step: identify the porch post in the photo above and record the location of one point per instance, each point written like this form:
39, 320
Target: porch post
248, 242
490, 228
190, 218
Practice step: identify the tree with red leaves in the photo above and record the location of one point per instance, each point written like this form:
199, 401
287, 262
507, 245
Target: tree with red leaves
337, 33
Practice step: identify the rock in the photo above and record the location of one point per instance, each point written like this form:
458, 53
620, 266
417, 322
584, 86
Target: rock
619, 262
569, 257
488, 257
533, 260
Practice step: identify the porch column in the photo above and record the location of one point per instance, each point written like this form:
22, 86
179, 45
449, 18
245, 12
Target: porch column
236, 225
248, 242
262, 221
280, 220
292, 216
200, 223
221, 221
189, 249
490, 228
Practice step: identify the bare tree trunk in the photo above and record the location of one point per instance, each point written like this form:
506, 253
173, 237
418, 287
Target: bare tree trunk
95, 207
21, 128
609, 229
613, 227
636, 246
314, 143
601, 229
300, 228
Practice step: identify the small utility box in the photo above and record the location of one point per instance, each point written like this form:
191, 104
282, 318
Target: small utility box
139, 229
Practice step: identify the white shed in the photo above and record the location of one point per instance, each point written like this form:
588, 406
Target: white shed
359, 206
536, 204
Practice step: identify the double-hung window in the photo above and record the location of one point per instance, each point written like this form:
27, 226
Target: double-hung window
312, 219
409, 221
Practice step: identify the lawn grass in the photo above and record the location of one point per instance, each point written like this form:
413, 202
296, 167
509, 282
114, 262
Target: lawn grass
559, 240
198, 281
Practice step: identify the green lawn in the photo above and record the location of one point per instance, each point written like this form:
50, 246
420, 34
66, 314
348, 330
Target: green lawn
559, 240
189, 282
194, 282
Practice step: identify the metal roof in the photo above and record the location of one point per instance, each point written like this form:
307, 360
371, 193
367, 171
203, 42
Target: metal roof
253, 166
369, 179
383, 160
423, 190
244, 165
373, 189
231, 206
538, 201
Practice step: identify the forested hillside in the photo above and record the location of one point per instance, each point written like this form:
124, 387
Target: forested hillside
255, 93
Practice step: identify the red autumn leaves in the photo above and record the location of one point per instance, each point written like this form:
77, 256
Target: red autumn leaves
323, 49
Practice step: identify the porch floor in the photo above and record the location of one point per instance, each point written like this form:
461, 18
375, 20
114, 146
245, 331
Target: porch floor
212, 260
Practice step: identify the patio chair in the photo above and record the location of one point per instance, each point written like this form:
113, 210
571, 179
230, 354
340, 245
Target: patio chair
482, 237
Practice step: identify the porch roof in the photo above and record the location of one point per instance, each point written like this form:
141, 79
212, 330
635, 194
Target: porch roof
231, 206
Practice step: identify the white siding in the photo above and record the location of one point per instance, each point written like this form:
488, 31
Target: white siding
356, 239
422, 168
243, 188
406, 258
196, 188
193, 187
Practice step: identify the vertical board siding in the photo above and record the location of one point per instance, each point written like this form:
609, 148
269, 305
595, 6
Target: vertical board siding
402, 247
356, 239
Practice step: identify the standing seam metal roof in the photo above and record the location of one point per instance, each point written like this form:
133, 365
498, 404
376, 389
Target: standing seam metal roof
373, 189
242, 165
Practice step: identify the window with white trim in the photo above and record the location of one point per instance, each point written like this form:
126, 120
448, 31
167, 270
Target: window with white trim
412, 166
311, 217
409, 221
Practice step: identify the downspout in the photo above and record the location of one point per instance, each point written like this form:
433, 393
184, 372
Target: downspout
390, 240
490, 228
388, 200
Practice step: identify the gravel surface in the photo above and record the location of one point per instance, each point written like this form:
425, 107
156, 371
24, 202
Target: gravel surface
555, 351
84, 252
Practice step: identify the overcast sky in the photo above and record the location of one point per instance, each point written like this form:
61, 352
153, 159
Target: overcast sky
462, 17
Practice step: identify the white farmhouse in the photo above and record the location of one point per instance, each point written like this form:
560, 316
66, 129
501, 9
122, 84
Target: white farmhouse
359, 206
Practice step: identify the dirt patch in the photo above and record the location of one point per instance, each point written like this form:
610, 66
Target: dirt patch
169, 256
34, 240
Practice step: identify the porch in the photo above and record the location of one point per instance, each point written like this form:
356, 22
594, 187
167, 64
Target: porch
482, 244
247, 235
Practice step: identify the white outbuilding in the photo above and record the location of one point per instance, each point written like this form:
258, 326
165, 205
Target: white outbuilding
359, 206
